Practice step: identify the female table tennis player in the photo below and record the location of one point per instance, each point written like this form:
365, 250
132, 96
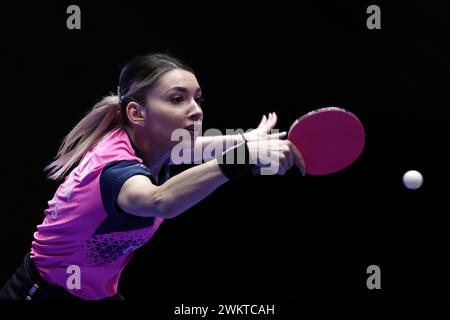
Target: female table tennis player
116, 189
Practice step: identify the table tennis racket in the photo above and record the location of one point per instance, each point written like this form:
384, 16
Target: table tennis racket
329, 139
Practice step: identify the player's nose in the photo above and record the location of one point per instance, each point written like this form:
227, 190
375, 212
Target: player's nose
196, 113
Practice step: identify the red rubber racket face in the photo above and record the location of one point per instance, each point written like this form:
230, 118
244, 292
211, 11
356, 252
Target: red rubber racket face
330, 139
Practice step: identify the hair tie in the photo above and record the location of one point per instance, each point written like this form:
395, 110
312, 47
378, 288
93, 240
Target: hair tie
118, 94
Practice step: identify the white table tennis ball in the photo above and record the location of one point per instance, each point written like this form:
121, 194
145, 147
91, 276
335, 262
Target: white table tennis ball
412, 179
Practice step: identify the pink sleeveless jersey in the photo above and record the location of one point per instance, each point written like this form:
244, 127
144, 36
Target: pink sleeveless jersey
66, 244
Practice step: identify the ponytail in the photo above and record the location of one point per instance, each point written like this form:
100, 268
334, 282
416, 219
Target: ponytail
104, 117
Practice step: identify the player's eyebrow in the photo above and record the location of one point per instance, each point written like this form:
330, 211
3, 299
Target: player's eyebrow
184, 89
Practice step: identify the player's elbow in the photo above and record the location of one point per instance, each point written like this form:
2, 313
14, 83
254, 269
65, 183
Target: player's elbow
143, 203
141, 198
150, 204
160, 203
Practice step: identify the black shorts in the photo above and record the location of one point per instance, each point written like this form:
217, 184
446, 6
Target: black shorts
27, 284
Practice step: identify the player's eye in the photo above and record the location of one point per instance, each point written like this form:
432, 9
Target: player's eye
199, 100
176, 99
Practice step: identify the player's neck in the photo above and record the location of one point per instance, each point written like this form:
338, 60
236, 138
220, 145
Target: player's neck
153, 154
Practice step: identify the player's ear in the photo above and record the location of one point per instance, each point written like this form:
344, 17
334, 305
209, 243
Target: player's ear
136, 113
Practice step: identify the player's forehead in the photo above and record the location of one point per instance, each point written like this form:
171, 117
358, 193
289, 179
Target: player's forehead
177, 80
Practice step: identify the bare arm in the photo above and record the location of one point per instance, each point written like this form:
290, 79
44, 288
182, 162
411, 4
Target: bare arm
140, 197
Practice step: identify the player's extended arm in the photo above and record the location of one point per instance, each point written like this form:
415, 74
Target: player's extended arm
140, 197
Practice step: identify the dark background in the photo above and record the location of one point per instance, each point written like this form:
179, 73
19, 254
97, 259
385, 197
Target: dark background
280, 237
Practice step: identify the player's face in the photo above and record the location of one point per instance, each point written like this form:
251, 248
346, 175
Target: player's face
174, 103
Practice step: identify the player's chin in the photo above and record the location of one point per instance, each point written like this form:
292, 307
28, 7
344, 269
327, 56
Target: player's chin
193, 135
194, 139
